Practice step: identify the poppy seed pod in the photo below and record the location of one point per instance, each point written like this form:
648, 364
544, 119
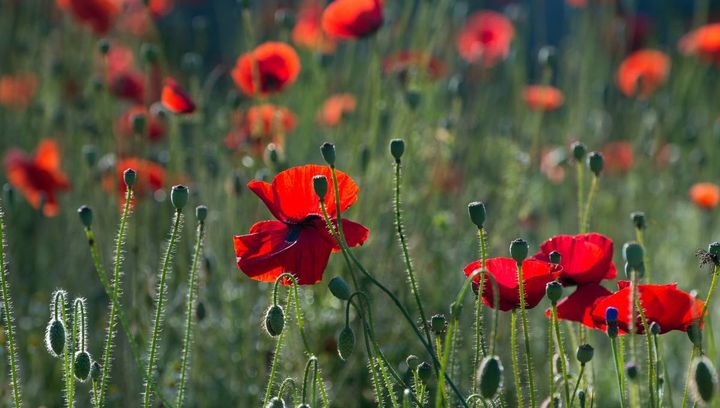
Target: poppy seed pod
596, 163
179, 196
694, 333
95, 371
438, 323
519, 250
631, 370
103, 46
129, 176
320, 184
55, 338
346, 343
638, 218
714, 249
328, 153
86, 215
397, 148
491, 371
424, 371
82, 365
477, 213
339, 288
704, 380
274, 320
553, 290
585, 353
579, 151
633, 254
201, 213
555, 257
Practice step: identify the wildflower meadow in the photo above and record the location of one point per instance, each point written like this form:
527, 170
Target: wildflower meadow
359, 203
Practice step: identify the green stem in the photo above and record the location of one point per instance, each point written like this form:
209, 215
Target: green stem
585, 226
618, 371
189, 312
526, 335
577, 383
561, 353
651, 364
480, 344
276, 357
580, 191
516, 365
160, 306
9, 319
640, 237
551, 352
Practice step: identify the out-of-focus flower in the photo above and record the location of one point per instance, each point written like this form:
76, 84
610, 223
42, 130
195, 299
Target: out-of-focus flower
551, 164
619, 156
705, 195
38, 177
485, 38
260, 126
175, 99
98, 15
269, 68
351, 19
643, 72
402, 62
703, 42
17, 91
124, 81
298, 241
576, 3
308, 32
335, 107
155, 125
543, 97
150, 178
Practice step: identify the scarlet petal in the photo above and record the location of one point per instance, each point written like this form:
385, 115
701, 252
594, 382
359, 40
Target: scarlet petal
351, 19
176, 99
578, 306
585, 258
269, 68
355, 234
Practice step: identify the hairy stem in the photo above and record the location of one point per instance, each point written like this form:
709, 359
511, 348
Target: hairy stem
9, 318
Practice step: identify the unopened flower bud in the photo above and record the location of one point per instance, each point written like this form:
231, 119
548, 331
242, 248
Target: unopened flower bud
86, 216
397, 148
413, 98
129, 176
581, 398
339, 288
201, 212
579, 151
694, 333
638, 219
179, 196
55, 338
477, 213
346, 343
274, 320
704, 380
596, 163
438, 323
424, 371
320, 184
328, 153
519, 250
95, 371
276, 402
553, 290
491, 371
555, 257
585, 353
82, 365
631, 370
633, 254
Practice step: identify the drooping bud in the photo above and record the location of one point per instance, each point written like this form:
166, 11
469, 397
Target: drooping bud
82, 365
95, 371
704, 380
424, 371
638, 219
714, 249
555, 257
86, 215
438, 323
339, 288
633, 254
201, 212
631, 370
655, 328
179, 196
320, 184
55, 338
553, 290
519, 250
596, 163
477, 213
328, 153
491, 371
397, 148
276, 402
129, 176
585, 353
346, 343
694, 333
274, 320
579, 151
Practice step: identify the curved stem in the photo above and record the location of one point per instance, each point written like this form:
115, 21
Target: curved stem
526, 335
312, 360
9, 319
160, 306
561, 353
187, 338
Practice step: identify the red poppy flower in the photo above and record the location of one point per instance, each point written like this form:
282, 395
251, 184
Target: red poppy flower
96, 14
175, 99
38, 177
299, 241
579, 305
705, 195
666, 305
260, 126
17, 91
150, 178
585, 258
703, 41
543, 97
308, 31
124, 81
618, 156
643, 72
156, 126
267, 69
403, 61
503, 273
350, 19
334, 108
485, 38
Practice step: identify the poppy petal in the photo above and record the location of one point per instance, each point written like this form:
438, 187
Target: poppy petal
578, 306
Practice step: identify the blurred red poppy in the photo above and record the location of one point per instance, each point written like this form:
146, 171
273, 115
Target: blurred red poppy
485, 38
96, 14
619, 156
38, 177
155, 125
269, 68
703, 42
299, 241
551, 164
585, 258
308, 32
334, 108
150, 178
543, 97
576, 3
666, 305
175, 99
705, 195
404, 61
643, 72
17, 91
503, 278
579, 305
124, 81
260, 126
349, 19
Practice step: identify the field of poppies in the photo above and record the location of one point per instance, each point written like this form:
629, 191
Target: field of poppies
358, 203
